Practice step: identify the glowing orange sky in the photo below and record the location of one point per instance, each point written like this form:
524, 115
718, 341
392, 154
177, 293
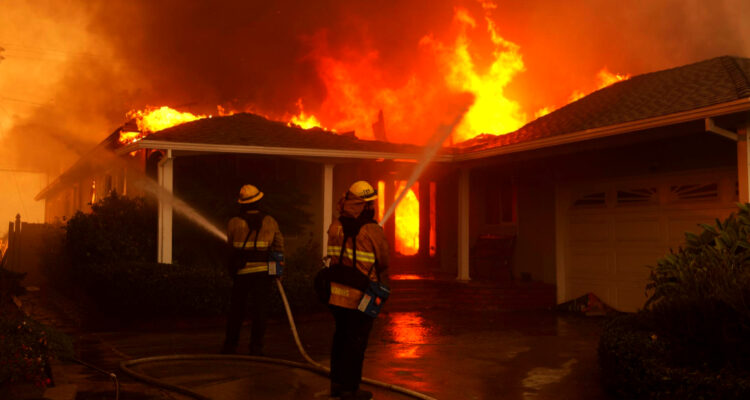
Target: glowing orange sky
72, 69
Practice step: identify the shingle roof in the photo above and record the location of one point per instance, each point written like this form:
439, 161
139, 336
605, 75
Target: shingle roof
253, 130
715, 81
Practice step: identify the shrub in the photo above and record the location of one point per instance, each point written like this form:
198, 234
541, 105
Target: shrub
117, 229
26, 347
110, 252
691, 340
701, 295
148, 289
635, 363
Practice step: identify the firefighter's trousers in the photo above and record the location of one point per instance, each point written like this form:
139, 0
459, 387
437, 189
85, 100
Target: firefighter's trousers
256, 286
349, 345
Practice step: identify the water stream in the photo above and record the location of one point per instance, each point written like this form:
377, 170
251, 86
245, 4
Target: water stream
431, 149
180, 206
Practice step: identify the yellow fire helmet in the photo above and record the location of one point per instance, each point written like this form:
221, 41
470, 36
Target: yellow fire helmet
249, 194
363, 190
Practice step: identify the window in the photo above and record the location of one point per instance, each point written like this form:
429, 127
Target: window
636, 196
595, 199
695, 192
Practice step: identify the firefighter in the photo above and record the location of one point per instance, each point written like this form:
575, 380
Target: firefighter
252, 236
353, 236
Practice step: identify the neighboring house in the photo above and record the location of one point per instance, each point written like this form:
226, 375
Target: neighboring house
593, 192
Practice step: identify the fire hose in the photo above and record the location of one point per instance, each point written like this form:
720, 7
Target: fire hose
431, 150
311, 365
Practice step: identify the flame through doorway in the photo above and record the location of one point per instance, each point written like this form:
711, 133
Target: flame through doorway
408, 216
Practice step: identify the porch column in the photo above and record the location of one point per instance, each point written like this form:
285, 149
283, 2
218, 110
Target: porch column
424, 220
463, 224
166, 174
743, 163
327, 204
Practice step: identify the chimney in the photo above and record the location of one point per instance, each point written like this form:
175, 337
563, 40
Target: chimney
378, 128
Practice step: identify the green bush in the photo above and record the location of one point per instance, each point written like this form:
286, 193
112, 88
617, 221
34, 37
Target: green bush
26, 347
109, 253
692, 340
637, 363
701, 295
117, 229
148, 289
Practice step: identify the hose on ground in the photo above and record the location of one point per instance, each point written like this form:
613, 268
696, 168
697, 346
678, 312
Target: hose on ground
312, 365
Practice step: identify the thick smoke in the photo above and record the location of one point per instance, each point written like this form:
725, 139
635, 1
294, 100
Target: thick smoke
265, 56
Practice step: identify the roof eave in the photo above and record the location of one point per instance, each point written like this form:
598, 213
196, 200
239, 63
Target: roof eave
611, 130
278, 151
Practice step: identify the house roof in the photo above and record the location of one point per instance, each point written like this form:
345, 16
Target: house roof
690, 87
704, 89
255, 134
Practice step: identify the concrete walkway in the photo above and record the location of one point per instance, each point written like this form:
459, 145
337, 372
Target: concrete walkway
458, 352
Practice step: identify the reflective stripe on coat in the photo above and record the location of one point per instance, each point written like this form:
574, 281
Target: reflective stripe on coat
371, 247
268, 238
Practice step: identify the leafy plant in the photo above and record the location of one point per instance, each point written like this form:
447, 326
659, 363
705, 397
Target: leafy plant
701, 293
117, 229
26, 347
692, 340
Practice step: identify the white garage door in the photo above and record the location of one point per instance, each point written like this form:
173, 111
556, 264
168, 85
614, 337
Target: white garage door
611, 231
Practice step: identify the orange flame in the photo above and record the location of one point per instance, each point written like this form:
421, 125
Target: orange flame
127, 137
607, 78
407, 221
154, 119
305, 121
604, 78
491, 111
93, 191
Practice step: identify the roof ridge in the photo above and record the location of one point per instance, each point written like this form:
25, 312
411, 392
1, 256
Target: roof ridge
737, 75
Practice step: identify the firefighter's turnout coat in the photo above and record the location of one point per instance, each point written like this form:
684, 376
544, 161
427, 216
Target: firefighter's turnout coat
264, 237
372, 252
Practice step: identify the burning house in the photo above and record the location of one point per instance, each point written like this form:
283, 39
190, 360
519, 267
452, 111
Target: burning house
584, 197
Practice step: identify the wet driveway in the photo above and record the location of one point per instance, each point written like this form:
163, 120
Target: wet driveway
464, 354
466, 350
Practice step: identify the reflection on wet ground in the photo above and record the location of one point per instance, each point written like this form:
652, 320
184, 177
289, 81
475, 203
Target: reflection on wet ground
448, 354
456, 350
408, 330
488, 354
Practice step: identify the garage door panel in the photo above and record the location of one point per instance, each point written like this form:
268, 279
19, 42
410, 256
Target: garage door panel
634, 229
607, 249
629, 298
633, 265
589, 264
586, 230
678, 225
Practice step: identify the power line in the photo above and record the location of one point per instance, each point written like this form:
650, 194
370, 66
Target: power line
21, 101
